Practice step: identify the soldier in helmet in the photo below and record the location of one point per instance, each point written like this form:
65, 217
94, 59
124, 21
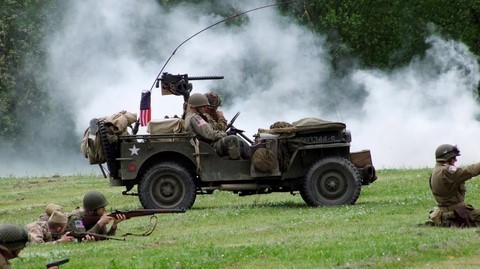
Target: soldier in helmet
13, 239
50, 231
447, 184
225, 144
94, 204
214, 116
49, 210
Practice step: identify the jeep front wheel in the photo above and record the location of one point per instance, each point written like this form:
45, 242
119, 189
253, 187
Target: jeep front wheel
331, 181
167, 186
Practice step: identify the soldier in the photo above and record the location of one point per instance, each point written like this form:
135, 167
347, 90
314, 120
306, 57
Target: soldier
214, 116
94, 204
49, 210
224, 143
47, 231
447, 183
13, 239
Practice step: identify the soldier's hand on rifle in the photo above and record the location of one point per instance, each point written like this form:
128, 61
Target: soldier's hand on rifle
118, 218
104, 220
219, 113
66, 238
88, 238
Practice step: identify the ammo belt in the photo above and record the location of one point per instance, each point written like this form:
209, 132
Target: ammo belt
451, 208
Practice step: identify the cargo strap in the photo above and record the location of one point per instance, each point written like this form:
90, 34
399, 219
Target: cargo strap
196, 145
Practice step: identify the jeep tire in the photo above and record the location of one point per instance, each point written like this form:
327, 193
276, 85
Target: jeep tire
167, 186
331, 181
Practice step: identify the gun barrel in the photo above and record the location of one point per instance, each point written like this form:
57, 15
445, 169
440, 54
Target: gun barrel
144, 212
205, 77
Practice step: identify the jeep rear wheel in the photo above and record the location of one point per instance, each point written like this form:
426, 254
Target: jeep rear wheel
167, 186
110, 151
331, 181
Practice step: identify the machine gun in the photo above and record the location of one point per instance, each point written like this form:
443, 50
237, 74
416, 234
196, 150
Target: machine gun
179, 84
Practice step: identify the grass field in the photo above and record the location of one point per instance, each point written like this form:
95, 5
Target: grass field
265, 231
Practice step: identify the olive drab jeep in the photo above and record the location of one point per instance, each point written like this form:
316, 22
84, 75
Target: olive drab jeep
171, 167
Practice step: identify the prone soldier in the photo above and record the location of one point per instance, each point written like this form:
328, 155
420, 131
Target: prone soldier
94, 204
48, 231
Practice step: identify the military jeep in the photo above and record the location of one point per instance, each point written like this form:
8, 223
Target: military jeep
170, 167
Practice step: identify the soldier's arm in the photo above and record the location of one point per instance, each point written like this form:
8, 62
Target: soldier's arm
222, 123
35, 235
465, 173
75, 224
205, 130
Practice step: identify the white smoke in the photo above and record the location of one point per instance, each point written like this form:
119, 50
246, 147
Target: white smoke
106, 52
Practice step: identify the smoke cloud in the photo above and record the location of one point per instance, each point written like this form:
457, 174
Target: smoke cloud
106, 52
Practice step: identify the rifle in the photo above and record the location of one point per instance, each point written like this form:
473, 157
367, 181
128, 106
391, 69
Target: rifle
80, 236
56, 263
89, 220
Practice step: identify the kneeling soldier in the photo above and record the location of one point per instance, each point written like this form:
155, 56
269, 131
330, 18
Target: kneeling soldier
447, 184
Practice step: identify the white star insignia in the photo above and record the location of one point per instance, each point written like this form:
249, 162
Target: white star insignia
134, 150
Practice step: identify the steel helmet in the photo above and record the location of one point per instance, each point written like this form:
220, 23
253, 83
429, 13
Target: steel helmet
445, 152
94, 200
13, 237
198, 100
214, 100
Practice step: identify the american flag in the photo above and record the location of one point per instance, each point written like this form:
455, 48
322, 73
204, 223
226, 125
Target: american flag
145, 111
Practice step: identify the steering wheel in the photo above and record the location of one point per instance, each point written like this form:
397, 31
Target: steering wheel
233, 120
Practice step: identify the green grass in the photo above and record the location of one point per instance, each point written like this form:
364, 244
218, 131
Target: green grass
265, 231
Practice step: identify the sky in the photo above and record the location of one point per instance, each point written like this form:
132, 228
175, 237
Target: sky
106, 52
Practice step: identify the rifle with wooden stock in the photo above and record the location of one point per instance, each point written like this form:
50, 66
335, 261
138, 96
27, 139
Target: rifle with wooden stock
90, 220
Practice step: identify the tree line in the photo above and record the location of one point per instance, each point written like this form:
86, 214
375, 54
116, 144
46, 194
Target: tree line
379, 34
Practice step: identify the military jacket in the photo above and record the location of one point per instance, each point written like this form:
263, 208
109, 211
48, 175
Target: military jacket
39, 232
75, 224
194, 123
448, 182
219, 123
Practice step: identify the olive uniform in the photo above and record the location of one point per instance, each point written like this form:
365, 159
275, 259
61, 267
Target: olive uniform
92, 201
217, 123
76, 224
224, 144
214, 101
447, 184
